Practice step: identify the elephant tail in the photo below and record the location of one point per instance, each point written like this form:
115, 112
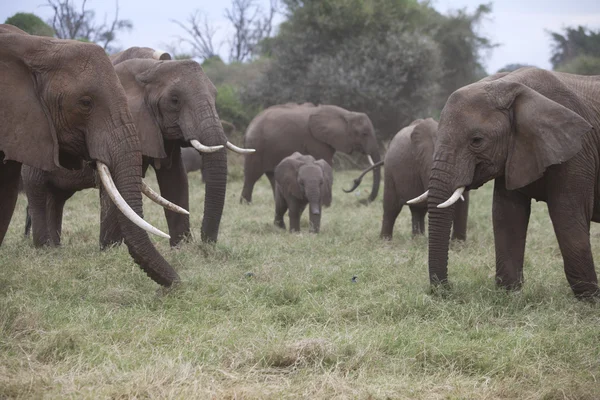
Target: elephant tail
358, 180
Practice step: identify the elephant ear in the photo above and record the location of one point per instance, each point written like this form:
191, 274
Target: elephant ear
423, 138
136, 76
286, 175
544, 133
27, 134
330, 125
327, 181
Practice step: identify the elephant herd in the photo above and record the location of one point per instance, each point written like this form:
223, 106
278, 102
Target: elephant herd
74, 118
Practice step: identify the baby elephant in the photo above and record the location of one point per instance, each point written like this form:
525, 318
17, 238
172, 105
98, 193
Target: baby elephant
301, 180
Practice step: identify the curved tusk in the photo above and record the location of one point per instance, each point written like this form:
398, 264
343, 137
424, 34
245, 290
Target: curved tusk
161, 55
121, 204
239, 150
158, 199
205, 149
419, 199
370, 160
453, 199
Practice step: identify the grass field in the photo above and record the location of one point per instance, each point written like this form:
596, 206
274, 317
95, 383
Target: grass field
269, 314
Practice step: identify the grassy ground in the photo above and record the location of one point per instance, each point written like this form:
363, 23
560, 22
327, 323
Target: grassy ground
268, 314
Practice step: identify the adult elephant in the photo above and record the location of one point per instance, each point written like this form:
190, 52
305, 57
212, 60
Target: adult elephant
537, 134
173, 105
60, 103
407, 167
320, 131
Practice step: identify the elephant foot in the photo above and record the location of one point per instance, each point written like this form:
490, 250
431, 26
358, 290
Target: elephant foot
386, 236
279, 224
245, 201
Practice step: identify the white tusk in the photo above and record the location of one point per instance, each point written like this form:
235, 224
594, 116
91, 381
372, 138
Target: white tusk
462, 197
205, 149
453, 199
239, 150
370, 160
419, 199
161, 55
158, 199
121, 204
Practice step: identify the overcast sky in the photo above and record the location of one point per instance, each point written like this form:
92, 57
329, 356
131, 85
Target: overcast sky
519, 26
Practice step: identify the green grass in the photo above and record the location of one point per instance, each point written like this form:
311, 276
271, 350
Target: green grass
269, 314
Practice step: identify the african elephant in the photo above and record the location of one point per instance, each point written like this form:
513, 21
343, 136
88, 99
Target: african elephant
301, 180
173, 105
407, 167
61, 103
537, 134
320, 131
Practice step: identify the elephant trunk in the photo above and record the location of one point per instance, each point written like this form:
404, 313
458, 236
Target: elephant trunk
440, 222
376, 175
314, 202
126, 169
215, 178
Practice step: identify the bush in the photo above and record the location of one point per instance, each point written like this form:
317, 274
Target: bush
31, 24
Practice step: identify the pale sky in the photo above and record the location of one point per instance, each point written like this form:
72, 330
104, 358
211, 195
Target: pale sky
519, 26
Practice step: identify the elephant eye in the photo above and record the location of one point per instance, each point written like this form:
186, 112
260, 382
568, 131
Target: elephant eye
476, 141
85, 103
175, 100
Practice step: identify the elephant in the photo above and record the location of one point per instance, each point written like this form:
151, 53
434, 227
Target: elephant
300, 180
320, 131
173, 106
61, 104
536, 133
407, 166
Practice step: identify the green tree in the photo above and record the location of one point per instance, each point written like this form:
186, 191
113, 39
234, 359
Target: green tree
582, 65
512, 67
573, 43
31, 24
396, 60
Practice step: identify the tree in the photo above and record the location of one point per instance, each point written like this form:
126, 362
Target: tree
69, 23
200, 35
395, 60
575, 42
582, 65
512, 67
251, 27
31, 24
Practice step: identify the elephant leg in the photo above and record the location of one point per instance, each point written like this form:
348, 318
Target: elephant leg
252, 173
173, 184
571, 224
281, 208
37, 198
10, 173
510, 217
27, 221
418, 220
271, 176
296, 210
110, 232
391, 209
459, 224
54, 214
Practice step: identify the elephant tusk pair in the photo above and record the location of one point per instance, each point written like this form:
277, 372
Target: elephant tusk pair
211, 149
458, 194
121, 204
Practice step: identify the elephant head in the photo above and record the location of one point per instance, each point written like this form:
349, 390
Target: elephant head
347, 132
62, 103
508, 125
175, 101
306, 179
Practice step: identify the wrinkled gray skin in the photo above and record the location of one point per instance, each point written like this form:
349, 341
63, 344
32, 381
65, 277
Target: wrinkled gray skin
300, 180
61, 103
172, 102
407, 167
320, 131
537, 134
